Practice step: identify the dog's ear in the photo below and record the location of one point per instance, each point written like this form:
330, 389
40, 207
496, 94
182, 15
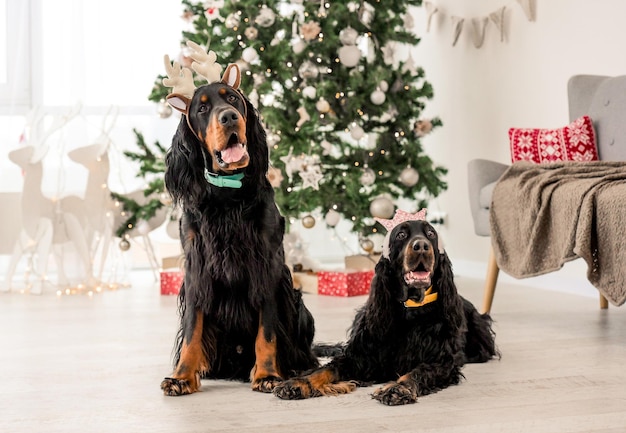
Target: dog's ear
232, 76
257, 143
184, 171
179, 102
450, 299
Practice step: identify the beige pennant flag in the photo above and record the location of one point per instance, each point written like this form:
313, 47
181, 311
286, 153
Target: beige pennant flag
478, 31
498, 19
529, 8
457, 28
431, 10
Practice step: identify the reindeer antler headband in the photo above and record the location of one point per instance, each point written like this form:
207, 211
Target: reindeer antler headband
180, 79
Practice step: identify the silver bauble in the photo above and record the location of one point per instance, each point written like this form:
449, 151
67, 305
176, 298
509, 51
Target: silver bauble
409, 176
381, 207
124, 245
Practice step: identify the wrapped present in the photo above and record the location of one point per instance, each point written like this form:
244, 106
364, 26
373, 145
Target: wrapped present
348, 282
171, 280
361, 261
305, 281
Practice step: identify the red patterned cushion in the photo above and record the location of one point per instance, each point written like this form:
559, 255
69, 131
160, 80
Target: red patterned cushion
575, 142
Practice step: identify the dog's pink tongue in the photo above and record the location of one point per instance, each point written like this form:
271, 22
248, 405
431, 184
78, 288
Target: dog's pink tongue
233, 153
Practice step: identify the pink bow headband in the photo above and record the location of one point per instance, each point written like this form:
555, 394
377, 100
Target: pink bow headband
400, 217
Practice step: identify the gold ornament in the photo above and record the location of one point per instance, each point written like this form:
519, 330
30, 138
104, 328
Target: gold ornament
367, 245
308, 221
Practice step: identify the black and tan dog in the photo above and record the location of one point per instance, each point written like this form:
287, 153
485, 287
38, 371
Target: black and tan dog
414, 332
240, 316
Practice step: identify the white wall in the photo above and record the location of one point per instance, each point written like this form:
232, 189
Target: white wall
480, 93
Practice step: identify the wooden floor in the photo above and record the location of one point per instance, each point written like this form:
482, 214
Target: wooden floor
94, 364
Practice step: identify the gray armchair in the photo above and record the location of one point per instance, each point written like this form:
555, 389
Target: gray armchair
601, 98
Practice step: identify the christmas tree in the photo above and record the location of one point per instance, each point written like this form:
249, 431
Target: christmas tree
341, 108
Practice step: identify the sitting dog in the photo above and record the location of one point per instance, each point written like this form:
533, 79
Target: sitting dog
240, 317
414, 332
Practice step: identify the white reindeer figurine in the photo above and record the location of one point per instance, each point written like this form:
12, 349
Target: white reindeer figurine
45, 222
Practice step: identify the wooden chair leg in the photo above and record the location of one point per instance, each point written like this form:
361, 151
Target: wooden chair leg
604, 303
490, 282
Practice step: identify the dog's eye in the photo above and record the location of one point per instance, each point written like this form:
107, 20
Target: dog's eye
430, 234
400, 236
203, 108
232, 99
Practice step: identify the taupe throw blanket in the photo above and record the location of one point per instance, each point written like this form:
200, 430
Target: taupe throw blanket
545, 215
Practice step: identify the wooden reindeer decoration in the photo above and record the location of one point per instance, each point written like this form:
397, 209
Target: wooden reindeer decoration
45, 222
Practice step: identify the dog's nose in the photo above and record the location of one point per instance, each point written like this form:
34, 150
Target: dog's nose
229, 118
421, 245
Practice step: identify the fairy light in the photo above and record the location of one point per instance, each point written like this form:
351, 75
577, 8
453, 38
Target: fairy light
356, 163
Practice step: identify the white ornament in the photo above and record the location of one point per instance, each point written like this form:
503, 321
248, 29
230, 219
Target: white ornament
304, 116
327, 147
377, 97
212, 10
381, 207
332, 218
164, 110
348, 36
172, 229
383, 85
308, 70
349, 55
389, 52
368, 177
143, 228
311, 178
356, 131
266, 17
366, 14
298, 45
409, 176
249, 55
232, 20
309, 92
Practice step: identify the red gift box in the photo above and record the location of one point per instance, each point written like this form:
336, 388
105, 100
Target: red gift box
344, 283
171, 282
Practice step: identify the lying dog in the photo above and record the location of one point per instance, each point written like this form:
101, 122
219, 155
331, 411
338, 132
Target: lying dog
240, 317
414, 332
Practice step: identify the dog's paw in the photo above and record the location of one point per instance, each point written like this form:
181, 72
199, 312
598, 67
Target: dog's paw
395, 394
295, 389
175, 387
266, 384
